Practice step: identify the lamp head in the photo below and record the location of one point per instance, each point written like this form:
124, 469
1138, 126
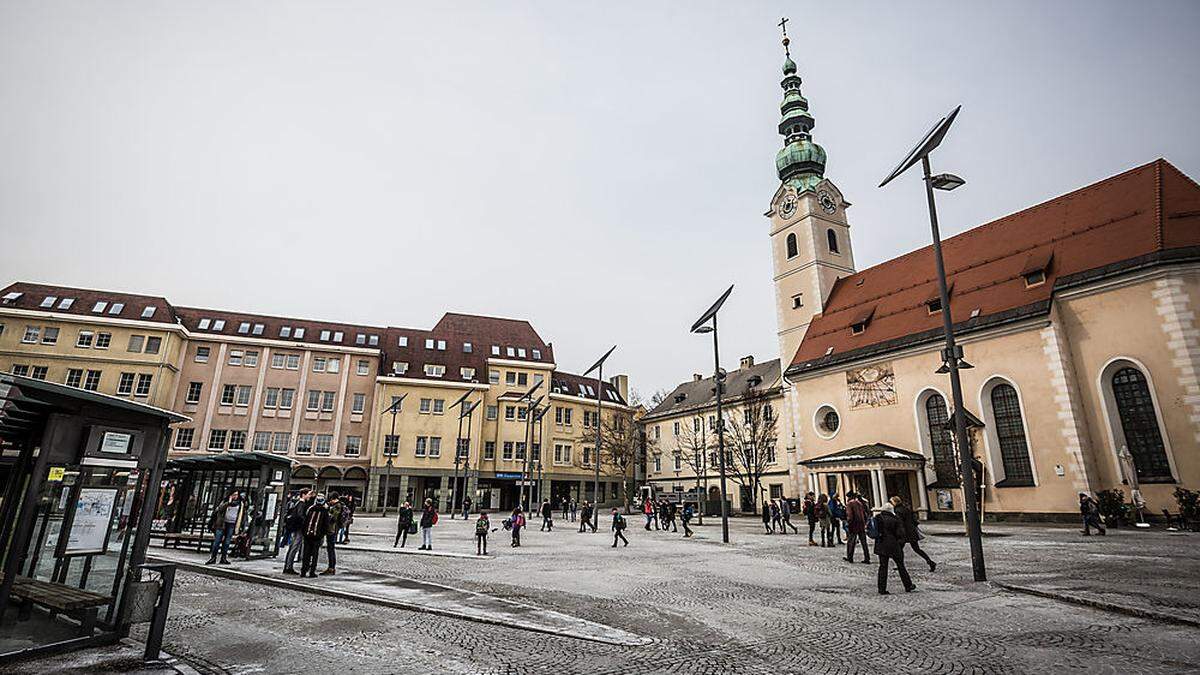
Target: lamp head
946, 181
702, 329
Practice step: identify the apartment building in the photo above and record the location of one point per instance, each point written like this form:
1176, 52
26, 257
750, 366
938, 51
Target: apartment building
320, 392
682, 441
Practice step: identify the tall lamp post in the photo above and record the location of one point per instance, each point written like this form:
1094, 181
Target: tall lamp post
457, 453
530, 405
598, 366
952, 355
701, 326
394, 408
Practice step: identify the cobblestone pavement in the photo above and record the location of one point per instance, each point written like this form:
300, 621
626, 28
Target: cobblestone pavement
766, 604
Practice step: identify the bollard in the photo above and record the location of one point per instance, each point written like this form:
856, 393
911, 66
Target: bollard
158, 621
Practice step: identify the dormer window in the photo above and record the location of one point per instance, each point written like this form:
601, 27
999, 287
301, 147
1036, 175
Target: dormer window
324, 336
1036, 267
679, 398
858, 328
859, 325
1036, 278
934, 306
298, 333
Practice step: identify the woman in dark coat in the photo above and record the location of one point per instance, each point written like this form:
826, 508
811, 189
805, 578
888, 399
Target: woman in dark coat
912, 535
766, 517
889, 545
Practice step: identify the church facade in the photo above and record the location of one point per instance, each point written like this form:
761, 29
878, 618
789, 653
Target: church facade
1077, 315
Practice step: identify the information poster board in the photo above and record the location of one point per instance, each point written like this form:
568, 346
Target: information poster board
93, 516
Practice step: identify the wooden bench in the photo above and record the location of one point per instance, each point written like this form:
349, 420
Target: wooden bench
59, 598
200, 541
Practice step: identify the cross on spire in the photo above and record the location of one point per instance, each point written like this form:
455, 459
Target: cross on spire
783, 25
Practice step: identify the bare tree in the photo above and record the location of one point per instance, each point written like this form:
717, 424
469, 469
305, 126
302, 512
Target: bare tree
620, 449
750, 437
692, 445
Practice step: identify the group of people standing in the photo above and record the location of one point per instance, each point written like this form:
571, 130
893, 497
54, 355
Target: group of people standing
310, 520
892, 525
663, 513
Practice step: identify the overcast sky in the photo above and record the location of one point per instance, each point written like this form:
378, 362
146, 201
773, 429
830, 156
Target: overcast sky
600, 169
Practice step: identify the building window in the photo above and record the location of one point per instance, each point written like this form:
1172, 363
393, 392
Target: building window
324, 444
439, 406
587, 458
237, 440
399, 367
39, 372
136, 343
216, 439
537, 355
495, 350
358, 404
422, 446
193, 392
48, 301
510, 413
1010, 435
402, 341
391, 445
1035, 278
353, 446
433, 370
183, 438
520, 450
271, 397
103, 340
153, 344
328, 398
228, 394
92, 381
243, 395
262, 441
677, 462
148, 312
277, 361
426, 406
202, 354
494, 377
936, 417
364, 367
74, 376
466, 347
280, 442
489, 450
293, 362
235, 357
286, 396
318, 364
831, 238
20, 369
125, 384
797, 301
792, 249
1139, 423
143, 385
435, 446
50, 335
32, 333
492, 412
304, 444
467, 373
562, 453
776, 490
507, 453
510, 378
314, 400
333, 366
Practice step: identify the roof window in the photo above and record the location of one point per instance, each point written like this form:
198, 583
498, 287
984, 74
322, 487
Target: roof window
13, 296
219, 324
117, 308
1037, 264
99, 307
49, 301
244, 327
66, 303
148, 312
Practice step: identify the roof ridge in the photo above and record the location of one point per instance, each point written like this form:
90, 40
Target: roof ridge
344, 324
60, 287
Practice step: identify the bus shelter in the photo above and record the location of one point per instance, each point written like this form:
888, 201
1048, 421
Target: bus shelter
80, 475
192, 487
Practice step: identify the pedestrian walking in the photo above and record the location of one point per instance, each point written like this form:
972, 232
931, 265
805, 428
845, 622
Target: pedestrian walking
316, 527
429, 518
776, 518
466, 507
516, 523
1089, 509
403, 525
648, 508
618, 527
672, 513
766, 517
912, 533
585, 519
785, 512
574, 509
822, 510
482, 526
809, 510
856, 527
837, 516
547, 516
565, 503
224, 523
348, 507
337, 512
293, 522
889, 547
686, 518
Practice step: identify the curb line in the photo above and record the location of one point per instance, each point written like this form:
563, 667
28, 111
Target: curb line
252, 578
1101, 605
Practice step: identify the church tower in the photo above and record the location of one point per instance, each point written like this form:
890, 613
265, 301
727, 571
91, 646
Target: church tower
810, 237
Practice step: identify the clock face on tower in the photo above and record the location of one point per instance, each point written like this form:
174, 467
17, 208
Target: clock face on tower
826, 201
787, 207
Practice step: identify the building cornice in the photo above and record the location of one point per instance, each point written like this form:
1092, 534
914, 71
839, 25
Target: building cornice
587, 401
97, 319
416, 382
537, 365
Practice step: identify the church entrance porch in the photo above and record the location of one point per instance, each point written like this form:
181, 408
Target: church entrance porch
878, 472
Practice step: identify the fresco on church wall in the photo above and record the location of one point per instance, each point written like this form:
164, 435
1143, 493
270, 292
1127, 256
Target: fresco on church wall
871, 387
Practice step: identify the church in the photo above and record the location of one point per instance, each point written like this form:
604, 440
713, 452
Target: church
1077, 319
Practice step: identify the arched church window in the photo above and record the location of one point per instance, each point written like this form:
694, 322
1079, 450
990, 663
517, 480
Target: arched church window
1139, 422
833, 242
1010, 433
936, 417
792, 249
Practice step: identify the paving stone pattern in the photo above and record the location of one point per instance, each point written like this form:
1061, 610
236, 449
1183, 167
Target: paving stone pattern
766, 604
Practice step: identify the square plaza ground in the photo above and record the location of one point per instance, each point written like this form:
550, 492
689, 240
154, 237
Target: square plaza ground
1125, 603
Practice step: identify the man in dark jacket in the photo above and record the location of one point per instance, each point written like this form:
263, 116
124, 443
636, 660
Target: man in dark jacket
293, 523
618, 528
547, 516
810, 510
316, 528
429, 518
856, 527
585, 520
889, 546
912, 535
224, 522
403, 525
337, 514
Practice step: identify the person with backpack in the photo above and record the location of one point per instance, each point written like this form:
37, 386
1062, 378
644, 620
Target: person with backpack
822, 511
482, 525
810, 511
856, 527
837, 516
316, 528
516, 522
429, 518
889, 547
686, 518
618, 527
293, 523
912, 535
403, 525
547, 516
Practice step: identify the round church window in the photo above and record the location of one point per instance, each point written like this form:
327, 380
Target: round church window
827, 421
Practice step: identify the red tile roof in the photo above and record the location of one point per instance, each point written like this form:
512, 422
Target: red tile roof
1145, 211
84, 301
273, 325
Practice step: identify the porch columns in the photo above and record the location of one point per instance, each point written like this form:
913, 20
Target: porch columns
922, 492
877, 486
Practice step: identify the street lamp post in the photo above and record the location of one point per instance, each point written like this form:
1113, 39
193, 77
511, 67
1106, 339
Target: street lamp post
952, 356
598, 366
530, 405
718, 384
394, 408
457, 454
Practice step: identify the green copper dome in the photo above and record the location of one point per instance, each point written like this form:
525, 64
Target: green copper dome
789, 66
801, 162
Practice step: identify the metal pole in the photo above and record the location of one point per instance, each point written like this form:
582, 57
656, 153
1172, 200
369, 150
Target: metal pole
526, 469
970, 510
388, 477
454, 480
720, 433
596, 452
702, 487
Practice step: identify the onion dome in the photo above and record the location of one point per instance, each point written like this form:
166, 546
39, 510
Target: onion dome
801, 162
